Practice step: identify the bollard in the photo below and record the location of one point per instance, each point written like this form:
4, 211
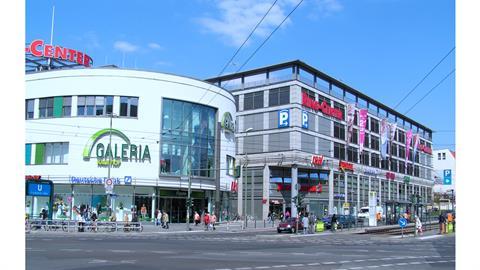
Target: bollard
255, 223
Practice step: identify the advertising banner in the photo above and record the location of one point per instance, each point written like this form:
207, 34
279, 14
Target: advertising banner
362, 118
393, 129
416, 140
383, 138
350, 118
407, 146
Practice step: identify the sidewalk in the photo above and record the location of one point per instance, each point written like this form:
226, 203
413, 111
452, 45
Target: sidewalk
236, 226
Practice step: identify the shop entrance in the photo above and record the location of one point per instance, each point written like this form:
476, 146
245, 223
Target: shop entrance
177, 208
141, 200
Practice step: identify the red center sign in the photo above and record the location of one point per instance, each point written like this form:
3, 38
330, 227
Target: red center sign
303, 188
324, 107
317, 160
345, 166
38, 48
390, 175
425, 148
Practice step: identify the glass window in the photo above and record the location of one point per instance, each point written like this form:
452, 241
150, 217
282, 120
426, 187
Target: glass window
129, 106
354, 137
365, 158
401, 136
29, 108
46, 107
339, 131
374, 125
401, 151
279, 96
439, 156
309, 93
230, 165
394, 149
236, 102
340, 106
393, 165
99, 105
253, 101
352, 154
339, 151
375, 143
67, 106
375, 160
92, 105
56, 153
443, 156
188, 139
81, 105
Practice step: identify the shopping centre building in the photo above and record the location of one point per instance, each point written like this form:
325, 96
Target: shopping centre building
302, 132
148, 132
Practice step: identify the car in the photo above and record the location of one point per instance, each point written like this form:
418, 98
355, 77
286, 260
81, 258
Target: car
289, 225
342, 221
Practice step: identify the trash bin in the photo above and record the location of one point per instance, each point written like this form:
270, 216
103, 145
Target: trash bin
320, 226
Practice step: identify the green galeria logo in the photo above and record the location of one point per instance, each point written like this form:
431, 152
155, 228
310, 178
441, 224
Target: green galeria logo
227, 122
114, 154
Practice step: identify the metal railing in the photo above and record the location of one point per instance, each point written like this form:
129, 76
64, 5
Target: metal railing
82, 226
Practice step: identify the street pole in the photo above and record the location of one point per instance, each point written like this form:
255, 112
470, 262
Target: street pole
244, 178
189, 201
109, 196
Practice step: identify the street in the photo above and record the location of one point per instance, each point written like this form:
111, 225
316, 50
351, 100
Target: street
237, 251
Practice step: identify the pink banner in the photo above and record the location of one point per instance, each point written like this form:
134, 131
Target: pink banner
416, 140
407, 146
362, 118
350, 118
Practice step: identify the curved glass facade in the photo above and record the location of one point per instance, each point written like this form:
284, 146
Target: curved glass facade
187, 139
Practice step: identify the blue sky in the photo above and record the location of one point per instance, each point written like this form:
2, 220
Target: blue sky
380, 47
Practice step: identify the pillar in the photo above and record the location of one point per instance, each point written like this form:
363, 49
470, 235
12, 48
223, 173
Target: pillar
398, 191
266, 192
358, 192
406, 192
330, 192
346, 188
380, 191
389, 192
252, 198
153, 207
240, 193
294, 191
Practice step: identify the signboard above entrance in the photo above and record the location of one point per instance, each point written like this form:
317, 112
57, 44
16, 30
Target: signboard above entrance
38, 48
324, 107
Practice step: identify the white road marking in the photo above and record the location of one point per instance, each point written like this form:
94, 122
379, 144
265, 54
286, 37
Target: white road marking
345, 261
415, 263
402, 263
279, 266
98, 261
386, 265
352, 268
128, 261
121, 251
312, 264
430, 237
297, 264
162, 252
373, 266
262, 267
328, 263
359, 260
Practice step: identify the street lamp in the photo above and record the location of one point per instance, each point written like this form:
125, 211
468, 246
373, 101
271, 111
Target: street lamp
109, 197
244, 179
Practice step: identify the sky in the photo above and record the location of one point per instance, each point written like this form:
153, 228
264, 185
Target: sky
382, 48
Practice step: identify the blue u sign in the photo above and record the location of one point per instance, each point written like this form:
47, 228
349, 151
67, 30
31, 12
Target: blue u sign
447, 177
283, 118
39, 189
304, 119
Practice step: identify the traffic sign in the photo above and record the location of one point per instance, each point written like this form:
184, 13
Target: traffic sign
402, 222
109, 186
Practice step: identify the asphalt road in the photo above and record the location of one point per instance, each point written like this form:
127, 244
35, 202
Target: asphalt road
236, 251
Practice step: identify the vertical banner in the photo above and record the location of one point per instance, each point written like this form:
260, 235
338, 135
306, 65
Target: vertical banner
350, 118
362, 118
393, 129
416, 140
384, 134
407, 148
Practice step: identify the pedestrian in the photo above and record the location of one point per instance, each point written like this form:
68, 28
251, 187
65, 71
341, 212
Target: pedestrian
143, 211
287, 214
165, 220
196, 218
418, 225
213, 219
305, 223
441, 223
333, 223
158, 219
206, 220
311, 222
125, 220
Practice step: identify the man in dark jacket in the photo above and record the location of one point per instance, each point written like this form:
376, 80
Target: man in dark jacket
441, 223
333, 223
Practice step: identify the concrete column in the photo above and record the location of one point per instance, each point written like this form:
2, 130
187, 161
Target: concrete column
358, 192
330, 192
406, 191
389, 192
240, 192
294, 191
153, 207
345, 180
380, 191
266, 192
398, 190
252, 197
369, 185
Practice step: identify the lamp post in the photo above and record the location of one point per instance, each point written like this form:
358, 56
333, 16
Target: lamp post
109, 196
244, 178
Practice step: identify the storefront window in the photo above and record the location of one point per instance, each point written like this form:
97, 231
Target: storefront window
188, 139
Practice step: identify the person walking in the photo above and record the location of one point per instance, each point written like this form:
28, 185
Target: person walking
305, 223
165, 220
143, 211
206, 220
418, 225
158, 217
287, 214
213, 219
441, 223
333, 223
196, 218
311, 222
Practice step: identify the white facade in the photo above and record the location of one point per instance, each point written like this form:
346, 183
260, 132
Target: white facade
444, 160
143, 130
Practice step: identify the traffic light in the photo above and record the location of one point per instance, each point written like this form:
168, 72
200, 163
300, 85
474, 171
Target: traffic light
189, 202
298, 200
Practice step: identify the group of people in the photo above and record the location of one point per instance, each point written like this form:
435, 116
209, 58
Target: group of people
309, 221
444, 219
162, 219
209, 220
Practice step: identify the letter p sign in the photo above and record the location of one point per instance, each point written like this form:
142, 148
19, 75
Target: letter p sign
447, 177
304, 119
283, 118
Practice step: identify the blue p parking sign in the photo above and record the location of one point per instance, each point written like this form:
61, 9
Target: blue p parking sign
283, 118
447, 177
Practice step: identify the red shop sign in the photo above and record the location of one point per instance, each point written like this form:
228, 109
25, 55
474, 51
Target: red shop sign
317, 160
33, 177
303, 188
345, 166
324, 107
390, 175
425, 148
38, 48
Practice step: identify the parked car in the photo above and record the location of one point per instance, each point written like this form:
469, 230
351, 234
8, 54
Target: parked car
342, 221
289, 225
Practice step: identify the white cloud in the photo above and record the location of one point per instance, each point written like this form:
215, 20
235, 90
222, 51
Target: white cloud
155, 46
125, 46
238, 18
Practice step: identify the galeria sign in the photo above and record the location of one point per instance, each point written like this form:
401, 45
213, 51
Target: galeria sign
114, 154
324, 107
38, 48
